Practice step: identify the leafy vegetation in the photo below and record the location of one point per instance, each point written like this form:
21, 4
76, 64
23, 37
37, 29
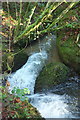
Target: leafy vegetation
22, 23
14, 106
20, 93
29, 25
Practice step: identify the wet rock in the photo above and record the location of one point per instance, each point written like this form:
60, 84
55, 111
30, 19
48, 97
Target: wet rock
19, 60
69, 52
51, 75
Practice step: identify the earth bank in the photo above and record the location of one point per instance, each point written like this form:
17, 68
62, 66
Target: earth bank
13, 107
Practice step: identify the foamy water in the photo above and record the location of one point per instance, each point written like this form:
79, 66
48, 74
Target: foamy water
49, 105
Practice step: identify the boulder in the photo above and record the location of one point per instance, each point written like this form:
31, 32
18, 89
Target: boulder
69, 51
51, 75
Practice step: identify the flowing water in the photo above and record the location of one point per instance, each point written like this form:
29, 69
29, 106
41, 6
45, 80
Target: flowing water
60, 102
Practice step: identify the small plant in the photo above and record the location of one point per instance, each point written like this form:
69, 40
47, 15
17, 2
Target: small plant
20, 93
72, 25
16, 105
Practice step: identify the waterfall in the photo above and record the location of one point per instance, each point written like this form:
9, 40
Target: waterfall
26, 76
49, 105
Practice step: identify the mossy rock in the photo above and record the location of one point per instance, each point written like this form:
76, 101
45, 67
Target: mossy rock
13, 63
7, 62
69, 52
67, 44
51, 75
19, 60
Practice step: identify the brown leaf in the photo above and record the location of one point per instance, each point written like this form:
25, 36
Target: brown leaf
17, 100
7, 83
5, 35
74, 18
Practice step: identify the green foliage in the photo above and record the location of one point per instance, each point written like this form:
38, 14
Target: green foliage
14, 107
69, 25
73, 25
35, 15
22, 26
21, 93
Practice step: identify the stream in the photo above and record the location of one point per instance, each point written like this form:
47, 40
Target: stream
60, 102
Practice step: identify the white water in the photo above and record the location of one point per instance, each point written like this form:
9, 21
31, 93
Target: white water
50, 105
26, 76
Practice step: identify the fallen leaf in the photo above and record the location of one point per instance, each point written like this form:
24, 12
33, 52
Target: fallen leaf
17, 100
73, 18
7, 83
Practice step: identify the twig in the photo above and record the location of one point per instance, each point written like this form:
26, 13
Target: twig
77, 38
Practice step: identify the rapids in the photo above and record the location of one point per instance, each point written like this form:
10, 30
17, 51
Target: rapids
57, 103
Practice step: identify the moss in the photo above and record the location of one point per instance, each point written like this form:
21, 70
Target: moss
4, 63
52, 74
13, 63
70, 55
69, 50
